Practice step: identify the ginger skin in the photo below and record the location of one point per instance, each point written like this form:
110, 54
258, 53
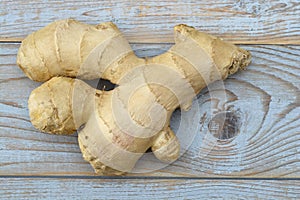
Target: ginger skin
116, 127
91, 113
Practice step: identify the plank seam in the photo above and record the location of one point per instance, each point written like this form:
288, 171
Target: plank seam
19, 40
145, 177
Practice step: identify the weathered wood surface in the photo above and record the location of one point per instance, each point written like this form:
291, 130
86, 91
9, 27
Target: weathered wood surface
259, 145
251, 22
264, 108
43, 188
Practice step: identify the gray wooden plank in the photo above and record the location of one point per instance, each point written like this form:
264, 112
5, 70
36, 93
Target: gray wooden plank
272, 22
263, 103
43, 188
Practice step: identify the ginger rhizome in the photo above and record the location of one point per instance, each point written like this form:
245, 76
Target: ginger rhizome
116, 127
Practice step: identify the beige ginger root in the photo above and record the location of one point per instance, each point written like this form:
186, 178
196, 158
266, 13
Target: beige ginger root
67, 48
116, 127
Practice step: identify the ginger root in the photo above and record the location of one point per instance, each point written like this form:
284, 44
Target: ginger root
116, 127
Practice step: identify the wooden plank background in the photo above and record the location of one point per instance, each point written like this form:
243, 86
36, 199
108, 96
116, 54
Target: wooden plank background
267, 145
241, 21
52, 188
261, 161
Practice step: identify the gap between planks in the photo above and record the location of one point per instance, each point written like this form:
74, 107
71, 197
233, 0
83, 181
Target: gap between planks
145, 177
170, 41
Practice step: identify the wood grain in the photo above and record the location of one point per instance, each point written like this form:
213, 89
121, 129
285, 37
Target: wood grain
41, 188
264, 100
240, 21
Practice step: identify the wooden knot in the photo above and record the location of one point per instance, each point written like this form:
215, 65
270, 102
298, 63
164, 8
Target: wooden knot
225, 125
